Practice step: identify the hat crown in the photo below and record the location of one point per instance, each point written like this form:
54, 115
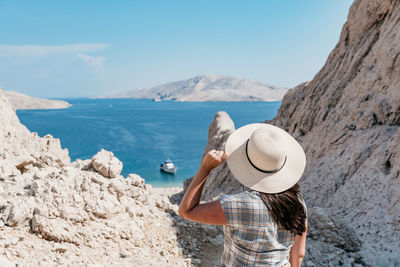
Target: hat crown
267, 149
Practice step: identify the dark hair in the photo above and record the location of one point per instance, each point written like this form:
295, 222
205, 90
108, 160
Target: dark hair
287, 209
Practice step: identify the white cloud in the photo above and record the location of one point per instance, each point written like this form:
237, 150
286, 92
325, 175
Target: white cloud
95, 61
46, 50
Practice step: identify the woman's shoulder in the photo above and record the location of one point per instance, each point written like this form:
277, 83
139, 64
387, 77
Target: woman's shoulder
243, 197
244, 208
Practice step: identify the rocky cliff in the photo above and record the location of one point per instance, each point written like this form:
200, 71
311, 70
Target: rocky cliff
57, 213
347, 120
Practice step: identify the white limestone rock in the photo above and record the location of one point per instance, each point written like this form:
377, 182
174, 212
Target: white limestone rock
5, 262
56, 229
8, 169
135, 180
18, 211
107, 164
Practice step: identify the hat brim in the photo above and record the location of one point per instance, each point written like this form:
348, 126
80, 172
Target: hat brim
247, 175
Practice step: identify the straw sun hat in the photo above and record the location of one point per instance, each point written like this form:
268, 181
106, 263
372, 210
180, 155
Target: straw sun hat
265, 158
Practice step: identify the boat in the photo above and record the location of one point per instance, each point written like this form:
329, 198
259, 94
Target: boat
168, 167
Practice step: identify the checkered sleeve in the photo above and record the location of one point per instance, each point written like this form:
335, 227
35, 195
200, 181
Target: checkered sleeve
231, 208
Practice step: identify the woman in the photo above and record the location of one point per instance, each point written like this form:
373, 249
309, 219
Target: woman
265, 225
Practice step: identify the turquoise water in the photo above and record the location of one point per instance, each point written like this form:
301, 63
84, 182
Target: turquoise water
142, 133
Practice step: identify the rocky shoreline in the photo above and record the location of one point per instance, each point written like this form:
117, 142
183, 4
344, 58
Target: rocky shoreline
57, 212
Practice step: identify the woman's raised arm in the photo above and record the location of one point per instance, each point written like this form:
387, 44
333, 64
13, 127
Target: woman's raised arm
210, 213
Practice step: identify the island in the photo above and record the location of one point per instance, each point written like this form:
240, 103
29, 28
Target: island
20, 101
208, 88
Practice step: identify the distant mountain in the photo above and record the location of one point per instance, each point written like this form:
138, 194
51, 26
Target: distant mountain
209, 88
21, 101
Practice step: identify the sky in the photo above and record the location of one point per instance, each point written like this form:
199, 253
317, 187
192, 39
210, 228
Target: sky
59, 49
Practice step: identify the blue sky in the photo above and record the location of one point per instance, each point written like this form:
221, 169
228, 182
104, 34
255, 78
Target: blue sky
89, 48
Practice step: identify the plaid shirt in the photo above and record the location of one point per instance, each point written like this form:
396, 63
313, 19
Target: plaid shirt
251, 236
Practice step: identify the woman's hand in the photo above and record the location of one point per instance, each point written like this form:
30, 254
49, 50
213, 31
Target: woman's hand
212, 159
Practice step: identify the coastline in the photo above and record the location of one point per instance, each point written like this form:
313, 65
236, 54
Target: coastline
24, 102
141, 142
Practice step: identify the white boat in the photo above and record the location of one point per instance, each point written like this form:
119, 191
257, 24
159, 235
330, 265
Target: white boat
168, 166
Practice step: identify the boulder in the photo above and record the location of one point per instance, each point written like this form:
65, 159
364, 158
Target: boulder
218, 132
107, 164
220, 179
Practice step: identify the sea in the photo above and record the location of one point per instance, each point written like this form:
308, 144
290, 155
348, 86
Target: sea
142, 133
